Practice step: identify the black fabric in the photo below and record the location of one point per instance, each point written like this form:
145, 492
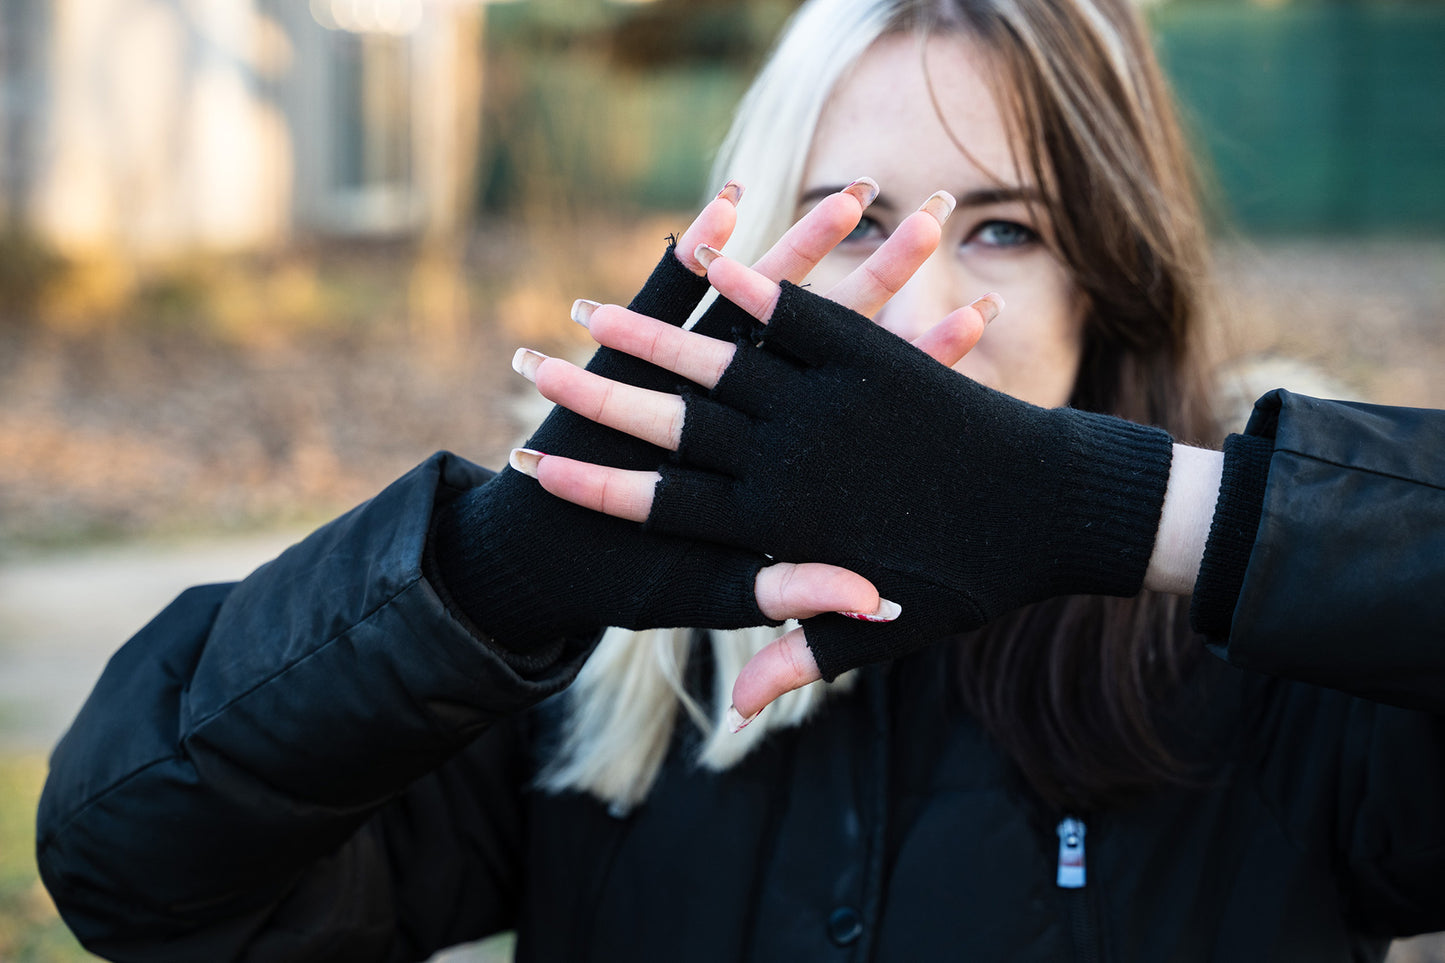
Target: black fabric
321, 762
830, 439
529, 569
1231, 533
1383, 470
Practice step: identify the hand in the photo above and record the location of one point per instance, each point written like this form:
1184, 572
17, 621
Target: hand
528, 569
961, 502
657, 417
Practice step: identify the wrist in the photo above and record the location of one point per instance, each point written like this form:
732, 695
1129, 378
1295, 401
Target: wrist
1184, 520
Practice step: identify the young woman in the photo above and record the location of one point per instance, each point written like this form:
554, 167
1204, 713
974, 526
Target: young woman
353, 755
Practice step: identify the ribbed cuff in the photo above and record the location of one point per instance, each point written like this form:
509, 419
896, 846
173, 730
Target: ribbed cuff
479, 582
1231, 534
1111, 503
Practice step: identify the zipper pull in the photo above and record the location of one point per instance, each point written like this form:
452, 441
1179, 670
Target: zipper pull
1071, 853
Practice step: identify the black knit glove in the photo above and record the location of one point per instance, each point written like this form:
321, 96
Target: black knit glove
830, 439
530, 569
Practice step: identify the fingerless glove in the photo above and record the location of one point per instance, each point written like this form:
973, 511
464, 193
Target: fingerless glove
529, 569
830, 439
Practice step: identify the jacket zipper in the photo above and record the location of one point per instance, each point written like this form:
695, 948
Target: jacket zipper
1072, 876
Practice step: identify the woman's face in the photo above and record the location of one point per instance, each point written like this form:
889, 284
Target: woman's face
881, 121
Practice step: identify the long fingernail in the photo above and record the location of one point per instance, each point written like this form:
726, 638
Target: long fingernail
525, 363
705, 254
582, 311
865, 189
736, 722
525, 460
887, 612
732, 192
940, 205
989, 305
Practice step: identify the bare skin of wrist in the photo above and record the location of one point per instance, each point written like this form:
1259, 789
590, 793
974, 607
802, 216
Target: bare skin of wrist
1184, 522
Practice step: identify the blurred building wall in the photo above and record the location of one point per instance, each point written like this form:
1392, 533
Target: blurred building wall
154, 127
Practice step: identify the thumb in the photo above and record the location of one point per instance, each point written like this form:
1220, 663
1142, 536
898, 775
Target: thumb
782, 666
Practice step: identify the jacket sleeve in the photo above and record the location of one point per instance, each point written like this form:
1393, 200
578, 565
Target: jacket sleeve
1344, 585
304, 765
1340, 617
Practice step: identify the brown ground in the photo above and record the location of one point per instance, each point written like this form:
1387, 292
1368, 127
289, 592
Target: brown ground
122, 429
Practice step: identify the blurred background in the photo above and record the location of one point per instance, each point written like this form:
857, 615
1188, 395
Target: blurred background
259, 257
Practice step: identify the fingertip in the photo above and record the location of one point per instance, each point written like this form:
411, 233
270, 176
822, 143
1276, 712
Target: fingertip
705, 255
989, 306
864, 190
940, 205
600, 321
732, 192
582, 310
857, 594
526, 362
564, 477
544, 372
955, 336
737, 722
886, 611
525, 460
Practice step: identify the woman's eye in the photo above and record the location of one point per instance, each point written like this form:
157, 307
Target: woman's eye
867, 230
1003, 234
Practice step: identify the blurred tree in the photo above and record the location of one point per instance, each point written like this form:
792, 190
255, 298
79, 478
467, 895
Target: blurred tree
620, 105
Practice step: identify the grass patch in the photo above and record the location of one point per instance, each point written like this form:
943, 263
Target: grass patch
30, 929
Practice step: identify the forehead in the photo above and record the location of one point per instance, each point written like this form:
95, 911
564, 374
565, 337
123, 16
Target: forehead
913, 110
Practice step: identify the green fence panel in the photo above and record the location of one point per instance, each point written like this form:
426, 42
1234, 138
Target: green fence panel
1320, 118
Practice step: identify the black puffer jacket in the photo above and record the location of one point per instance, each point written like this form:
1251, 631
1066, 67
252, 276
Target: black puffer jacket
320, 764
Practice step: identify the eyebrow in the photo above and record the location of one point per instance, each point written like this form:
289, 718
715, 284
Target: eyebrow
978, 198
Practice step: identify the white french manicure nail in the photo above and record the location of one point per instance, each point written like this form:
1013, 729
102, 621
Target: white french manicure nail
525, 460
989, 306
526, 361
736, 722
940, 205
887, 612
582, 311
705, 254
865, 189
732, 192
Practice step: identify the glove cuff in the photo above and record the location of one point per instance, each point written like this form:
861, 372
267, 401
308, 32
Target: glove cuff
1110, 500
481, 567
1232, 533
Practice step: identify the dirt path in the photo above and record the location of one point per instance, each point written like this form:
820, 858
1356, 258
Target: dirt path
63, 614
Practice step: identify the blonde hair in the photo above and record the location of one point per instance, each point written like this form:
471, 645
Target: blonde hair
1074, 72
622, 711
